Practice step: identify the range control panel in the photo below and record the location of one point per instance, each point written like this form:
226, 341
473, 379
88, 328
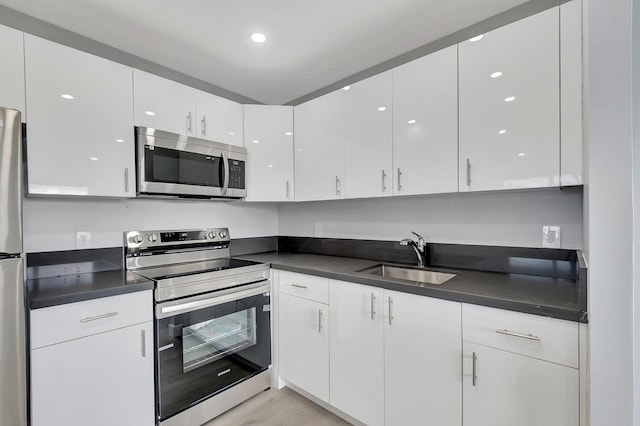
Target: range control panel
181, 237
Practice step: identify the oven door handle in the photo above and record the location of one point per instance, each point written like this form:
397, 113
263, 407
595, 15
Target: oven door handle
169, 309
226, 171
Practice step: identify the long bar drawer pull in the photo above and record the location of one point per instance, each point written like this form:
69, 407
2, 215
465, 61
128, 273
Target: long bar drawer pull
474, 374
521, 335
99, 317
298, 286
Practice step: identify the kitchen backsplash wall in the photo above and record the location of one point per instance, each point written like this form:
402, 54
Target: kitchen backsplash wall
513, 218
51, 224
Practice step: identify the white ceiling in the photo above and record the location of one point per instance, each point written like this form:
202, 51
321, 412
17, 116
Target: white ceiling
310, 43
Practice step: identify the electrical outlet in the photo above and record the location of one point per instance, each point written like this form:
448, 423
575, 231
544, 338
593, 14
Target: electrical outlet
83, 239
317, 230
551, 236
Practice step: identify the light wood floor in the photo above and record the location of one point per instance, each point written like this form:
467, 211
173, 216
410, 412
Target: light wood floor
278, 408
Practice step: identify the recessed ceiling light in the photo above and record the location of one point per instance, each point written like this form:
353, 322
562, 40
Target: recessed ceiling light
521, 154
120, 140
67, 96
502, 132
289, 133
258, 37
510, 99
256, 141
346, 88
496, 74
476, 38
93, 158
382, 108
270, 166
411, 121
232, 133
299, 149
150, 113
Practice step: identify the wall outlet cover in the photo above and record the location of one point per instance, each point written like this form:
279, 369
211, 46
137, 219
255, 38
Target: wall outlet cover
551, 236
83, 239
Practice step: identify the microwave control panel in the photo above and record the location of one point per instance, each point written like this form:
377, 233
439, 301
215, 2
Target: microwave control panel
236, 174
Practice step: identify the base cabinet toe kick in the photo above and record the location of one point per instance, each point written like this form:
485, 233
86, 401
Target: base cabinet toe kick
383, 357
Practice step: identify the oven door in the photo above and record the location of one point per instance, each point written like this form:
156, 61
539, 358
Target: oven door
210, 342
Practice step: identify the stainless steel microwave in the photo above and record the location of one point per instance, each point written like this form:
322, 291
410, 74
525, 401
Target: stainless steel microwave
168, 164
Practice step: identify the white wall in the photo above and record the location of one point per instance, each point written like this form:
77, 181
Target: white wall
497, 218
608, 137
51, 224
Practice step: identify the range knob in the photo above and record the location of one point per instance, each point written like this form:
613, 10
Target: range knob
138, 239
153, 238
212, 235
223, 234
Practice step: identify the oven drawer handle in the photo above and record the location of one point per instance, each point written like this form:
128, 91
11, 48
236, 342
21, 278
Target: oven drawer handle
99, 317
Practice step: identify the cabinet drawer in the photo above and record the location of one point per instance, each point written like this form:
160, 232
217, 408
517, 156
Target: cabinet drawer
307, 286
539, 337
74, 320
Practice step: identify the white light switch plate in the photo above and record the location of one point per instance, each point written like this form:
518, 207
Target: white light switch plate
551, 236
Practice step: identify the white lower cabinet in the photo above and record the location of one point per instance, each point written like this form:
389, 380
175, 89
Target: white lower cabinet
103, 375
304, 344
513, 389
356, 379
422, 370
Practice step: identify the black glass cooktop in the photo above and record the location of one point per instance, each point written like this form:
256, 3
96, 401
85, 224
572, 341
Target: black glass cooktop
191, 268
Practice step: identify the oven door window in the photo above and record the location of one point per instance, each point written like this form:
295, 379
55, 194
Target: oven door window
210, 340
203, 352
182, 167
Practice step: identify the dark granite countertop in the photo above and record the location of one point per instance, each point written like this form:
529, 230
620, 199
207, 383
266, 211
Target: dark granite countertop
538, 295
61, 289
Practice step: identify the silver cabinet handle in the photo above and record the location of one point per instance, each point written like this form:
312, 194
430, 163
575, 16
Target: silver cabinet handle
189, 123
299, 286
390, 310
384, 178
204, 125
144, 343
99, 317
337, 185
373, 299
126, 179
468, 172
521, 335
319, 320
474, 371
399, 184
287, 196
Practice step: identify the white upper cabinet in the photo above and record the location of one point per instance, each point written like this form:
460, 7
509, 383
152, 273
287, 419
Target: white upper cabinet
319, 148
12, 70
368, 113
268, 131
509, 106
425, 124
80, 131
163, 104
218, 119
571, 93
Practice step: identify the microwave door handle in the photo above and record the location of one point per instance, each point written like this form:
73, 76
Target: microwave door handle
226, 171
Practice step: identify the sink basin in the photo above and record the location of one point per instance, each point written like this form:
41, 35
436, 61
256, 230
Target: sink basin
409, 274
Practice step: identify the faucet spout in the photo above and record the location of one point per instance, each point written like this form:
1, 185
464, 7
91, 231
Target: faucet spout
420, 248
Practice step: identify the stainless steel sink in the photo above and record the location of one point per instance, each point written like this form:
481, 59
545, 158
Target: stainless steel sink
409, 274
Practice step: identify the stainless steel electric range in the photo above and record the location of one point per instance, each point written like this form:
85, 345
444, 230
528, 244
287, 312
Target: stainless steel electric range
212, 322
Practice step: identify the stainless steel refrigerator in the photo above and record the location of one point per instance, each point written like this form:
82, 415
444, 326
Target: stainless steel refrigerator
13, 376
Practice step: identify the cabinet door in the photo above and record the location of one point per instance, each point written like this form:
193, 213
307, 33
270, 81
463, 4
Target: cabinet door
304, 344
368, 137
356, 380
425, 124
422, 350
105, 379
509, 106
80, 131
513, 389
319, 148
12, 71
268, 134
218, 119
163, 104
